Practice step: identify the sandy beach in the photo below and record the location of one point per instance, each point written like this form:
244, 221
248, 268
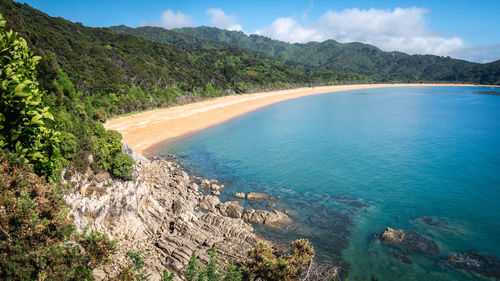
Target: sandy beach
146, 129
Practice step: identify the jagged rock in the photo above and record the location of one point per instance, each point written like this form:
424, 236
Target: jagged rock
160, 213
231, 209
214, 186
240, 195
273, 219
209, 202
408, 241
487, 265
205, 182
216, 192
393, 236
257, 195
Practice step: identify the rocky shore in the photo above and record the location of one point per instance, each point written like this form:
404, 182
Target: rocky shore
164, 214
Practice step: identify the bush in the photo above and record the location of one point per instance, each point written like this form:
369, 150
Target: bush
266, 264
37, 239
22, 115
122, 166
67, 145
108, 153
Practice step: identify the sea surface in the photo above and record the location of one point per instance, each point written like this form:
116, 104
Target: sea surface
349, 164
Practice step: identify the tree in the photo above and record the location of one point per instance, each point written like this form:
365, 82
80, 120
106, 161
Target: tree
22, 117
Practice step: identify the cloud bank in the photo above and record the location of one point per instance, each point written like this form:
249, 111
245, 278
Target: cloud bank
401, 29
219, 19
170, 19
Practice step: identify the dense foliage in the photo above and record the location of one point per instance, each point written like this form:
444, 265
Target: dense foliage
355, 57
37, 238
22, 115
266, 264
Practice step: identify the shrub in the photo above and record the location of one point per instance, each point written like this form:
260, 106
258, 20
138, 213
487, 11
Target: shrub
37, 239
22, 115
67, 145
108, 153
122, 166
266, 264
192, 270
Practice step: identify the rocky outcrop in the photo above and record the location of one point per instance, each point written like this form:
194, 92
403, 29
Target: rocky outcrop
409, 242
161, 213
257, 196
487, 265
231, 209
393, 236
273, 219
240, 195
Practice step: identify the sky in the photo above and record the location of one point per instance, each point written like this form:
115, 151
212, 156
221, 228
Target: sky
464, 29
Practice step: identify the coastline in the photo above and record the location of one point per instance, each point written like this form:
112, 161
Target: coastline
146, 130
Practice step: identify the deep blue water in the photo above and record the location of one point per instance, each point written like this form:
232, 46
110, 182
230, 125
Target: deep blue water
348, 164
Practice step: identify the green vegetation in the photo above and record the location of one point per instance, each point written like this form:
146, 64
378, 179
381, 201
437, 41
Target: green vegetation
355, 57
37, 239
22, 115
266, 264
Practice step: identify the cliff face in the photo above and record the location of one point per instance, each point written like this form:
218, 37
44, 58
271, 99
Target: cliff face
161, 213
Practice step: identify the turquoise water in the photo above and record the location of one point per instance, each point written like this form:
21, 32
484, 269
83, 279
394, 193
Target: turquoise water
349, 164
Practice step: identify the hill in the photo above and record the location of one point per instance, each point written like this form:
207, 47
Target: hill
98, 60
331, 55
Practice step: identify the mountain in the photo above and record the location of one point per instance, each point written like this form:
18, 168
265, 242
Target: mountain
98, 60
331, 55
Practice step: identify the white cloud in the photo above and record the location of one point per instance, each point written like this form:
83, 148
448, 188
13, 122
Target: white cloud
219, 19
289, 30
401, 29
170, 19
483, 54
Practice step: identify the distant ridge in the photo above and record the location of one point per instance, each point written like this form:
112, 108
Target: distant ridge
345, 57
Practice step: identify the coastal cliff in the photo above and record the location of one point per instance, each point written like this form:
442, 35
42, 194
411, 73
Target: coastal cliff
163, 214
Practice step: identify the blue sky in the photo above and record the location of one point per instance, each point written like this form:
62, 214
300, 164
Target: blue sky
462, 29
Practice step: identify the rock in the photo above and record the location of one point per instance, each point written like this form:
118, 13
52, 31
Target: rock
231, 209
193, 186
257, 196
216, 192
402, 258
430, 221
214, 186
272, 219
240, 195
393, 236
487, 265
209, 202
162, 214
408, 241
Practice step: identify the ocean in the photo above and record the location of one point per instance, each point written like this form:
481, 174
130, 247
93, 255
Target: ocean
349, 164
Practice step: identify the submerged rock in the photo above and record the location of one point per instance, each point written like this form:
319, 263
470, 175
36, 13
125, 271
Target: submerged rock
430, 221
408, 241
257, 196
273, 219
487, 265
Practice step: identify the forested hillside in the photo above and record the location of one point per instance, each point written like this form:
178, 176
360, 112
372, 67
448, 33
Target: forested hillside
350, 57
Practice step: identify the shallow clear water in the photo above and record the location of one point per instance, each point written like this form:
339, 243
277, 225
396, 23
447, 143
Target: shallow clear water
349, 164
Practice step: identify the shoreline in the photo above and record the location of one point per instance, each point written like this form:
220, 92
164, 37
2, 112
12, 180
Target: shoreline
146, 130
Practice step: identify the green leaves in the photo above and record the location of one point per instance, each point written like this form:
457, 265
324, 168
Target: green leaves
22, 119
